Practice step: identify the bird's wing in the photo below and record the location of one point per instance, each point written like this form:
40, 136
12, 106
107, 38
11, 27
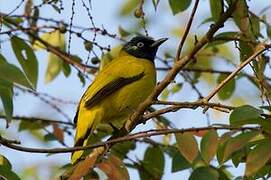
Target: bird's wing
107, 90
110, 88
108, 81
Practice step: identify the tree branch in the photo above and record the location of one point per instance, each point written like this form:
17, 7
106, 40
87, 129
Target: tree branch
155, 132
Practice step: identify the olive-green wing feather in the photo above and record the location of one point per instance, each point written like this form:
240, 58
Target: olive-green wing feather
110, 88
107, 90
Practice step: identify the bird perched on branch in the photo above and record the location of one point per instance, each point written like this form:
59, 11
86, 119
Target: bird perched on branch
118, 89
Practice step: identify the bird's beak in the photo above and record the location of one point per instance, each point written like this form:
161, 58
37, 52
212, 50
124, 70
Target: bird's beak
158, 42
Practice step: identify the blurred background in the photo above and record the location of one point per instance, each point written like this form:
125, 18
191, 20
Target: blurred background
117, 18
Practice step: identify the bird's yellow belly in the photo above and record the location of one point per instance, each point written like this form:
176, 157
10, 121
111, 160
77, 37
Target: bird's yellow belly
119, 106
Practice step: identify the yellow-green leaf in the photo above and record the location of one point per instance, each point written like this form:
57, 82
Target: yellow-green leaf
54, 38
5, 162
258, 157
55, 64
216, 7
6, 96
12, 74
228, 89
128, 7
54, 67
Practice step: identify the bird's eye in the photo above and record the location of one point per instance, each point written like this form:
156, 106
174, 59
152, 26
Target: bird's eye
140, 44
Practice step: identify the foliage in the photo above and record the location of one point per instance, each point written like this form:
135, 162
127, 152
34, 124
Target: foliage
75, 53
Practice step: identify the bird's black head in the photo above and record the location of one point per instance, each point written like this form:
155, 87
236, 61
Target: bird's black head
143, 47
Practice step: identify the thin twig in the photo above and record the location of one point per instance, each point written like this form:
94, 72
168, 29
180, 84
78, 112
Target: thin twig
35, 119
187, 29
261, 49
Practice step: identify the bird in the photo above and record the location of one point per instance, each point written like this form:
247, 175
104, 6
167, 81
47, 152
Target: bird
117, 90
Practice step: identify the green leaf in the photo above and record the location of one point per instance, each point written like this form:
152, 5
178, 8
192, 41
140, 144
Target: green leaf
245, 115
246, 50
11, 73
187, 146
261, 173
236, 143
228, 89
204, 173
255, 25
209, 145
268, 31
179, 163
5, 162
258, 157
50, 137
26, 58
7, 173
222, 145
81, 77
66, 68
121, 149
6, 95
155, 3
223, 38
239, 156
34, 125
123, 32
216, 7
176, 88
179, 6
165, 93
205, 21
154, 162
224, 174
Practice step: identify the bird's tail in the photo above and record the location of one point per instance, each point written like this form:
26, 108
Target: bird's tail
86, 123
76, 155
